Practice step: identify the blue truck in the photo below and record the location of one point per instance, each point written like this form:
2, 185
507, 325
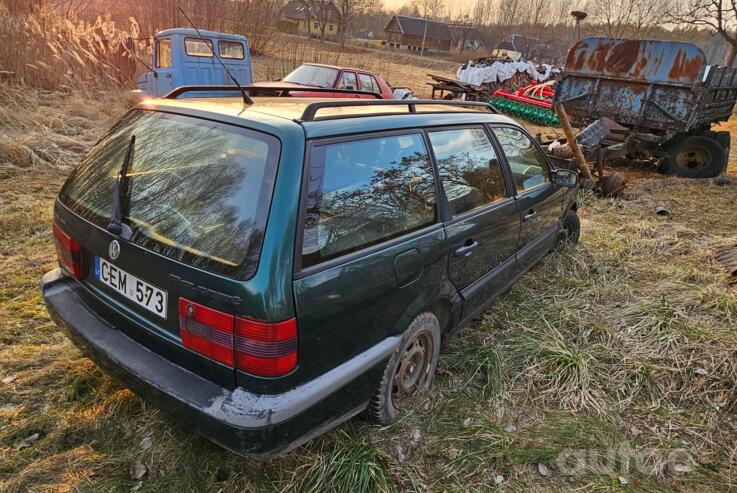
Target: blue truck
662, 93
182, 57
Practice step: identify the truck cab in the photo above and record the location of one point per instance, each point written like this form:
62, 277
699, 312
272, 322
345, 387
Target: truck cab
182, 57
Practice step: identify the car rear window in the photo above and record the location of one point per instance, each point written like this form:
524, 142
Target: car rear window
199, 191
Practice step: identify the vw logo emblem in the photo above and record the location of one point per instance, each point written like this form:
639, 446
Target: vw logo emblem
114, 250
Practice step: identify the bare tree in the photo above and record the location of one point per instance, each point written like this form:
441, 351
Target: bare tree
348, 10
628, 18
717, 15
509, 13
432, 9
322, 10
483, 12
539, 12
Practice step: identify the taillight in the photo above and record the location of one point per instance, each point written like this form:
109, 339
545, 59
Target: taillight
68, 252
258, 348
265, 349
206, 331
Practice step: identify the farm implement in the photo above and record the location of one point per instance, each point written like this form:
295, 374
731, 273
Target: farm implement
533, 103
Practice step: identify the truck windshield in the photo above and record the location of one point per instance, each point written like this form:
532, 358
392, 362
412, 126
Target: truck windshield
312, 75
199, 191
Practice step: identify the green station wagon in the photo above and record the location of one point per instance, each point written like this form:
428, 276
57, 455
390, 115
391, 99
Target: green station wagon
263, 272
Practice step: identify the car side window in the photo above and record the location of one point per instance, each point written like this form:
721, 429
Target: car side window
199, 47
529, 165
468, 168
367, 83
348, 81
364, 192
163, 53
231, 49
377, 87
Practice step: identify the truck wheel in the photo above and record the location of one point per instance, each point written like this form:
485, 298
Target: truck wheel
694, 157
410, 369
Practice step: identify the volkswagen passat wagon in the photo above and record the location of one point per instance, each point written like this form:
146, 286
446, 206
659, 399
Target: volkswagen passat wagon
265, 272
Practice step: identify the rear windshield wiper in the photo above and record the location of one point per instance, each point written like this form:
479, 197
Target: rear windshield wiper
120, 196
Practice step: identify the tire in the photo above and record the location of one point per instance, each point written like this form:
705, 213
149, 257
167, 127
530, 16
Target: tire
694, 157
386, 404
725, 140
570, 231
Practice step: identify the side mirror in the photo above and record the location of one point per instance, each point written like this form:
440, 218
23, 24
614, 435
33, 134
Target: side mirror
565, 178
349, 88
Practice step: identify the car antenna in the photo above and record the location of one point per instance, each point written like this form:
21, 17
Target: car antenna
139, 59
246, 98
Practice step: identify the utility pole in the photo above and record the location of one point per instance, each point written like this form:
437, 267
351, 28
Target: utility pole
579, 16
424, 35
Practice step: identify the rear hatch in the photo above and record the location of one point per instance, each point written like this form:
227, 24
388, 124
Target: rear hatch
195, 207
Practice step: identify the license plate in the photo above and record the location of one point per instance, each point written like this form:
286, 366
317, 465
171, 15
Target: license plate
140, 292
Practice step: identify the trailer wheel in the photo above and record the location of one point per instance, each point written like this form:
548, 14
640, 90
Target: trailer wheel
694, 157
725, 140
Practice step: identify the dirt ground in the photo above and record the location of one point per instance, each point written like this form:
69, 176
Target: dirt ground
609, 367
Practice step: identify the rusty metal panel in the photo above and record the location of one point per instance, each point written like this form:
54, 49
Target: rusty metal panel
627, 102
639, 60
652, 85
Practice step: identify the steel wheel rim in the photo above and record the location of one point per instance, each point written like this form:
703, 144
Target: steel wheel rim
413, 367
693, 158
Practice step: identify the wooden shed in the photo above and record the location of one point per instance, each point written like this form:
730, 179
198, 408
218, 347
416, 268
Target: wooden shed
406, 32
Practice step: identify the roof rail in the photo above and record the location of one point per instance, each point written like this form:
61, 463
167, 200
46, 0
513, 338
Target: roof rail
310, 112
261, 91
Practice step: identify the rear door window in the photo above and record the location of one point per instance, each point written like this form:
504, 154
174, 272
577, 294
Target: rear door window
367, 83
468, 167
199, 191
363, 192
198, 47
348, 81
529, 165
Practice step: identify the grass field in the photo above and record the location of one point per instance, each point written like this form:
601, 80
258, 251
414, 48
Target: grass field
609, 367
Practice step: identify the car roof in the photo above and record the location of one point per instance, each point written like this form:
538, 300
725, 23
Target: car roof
279, 112
337, 67
188, 31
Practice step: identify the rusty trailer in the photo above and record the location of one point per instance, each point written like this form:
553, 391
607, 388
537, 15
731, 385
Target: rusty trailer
662, 91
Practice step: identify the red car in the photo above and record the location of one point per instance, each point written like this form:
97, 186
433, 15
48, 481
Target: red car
329, 76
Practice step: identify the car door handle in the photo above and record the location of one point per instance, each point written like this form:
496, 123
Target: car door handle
467, 249
530, 215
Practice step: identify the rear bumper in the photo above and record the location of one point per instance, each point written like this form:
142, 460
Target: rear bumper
243, 422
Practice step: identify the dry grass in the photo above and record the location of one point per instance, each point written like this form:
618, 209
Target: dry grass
626, 342
45, 130
51, 52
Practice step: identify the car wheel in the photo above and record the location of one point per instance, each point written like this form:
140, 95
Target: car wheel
570, 230
410, 370
694, 157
